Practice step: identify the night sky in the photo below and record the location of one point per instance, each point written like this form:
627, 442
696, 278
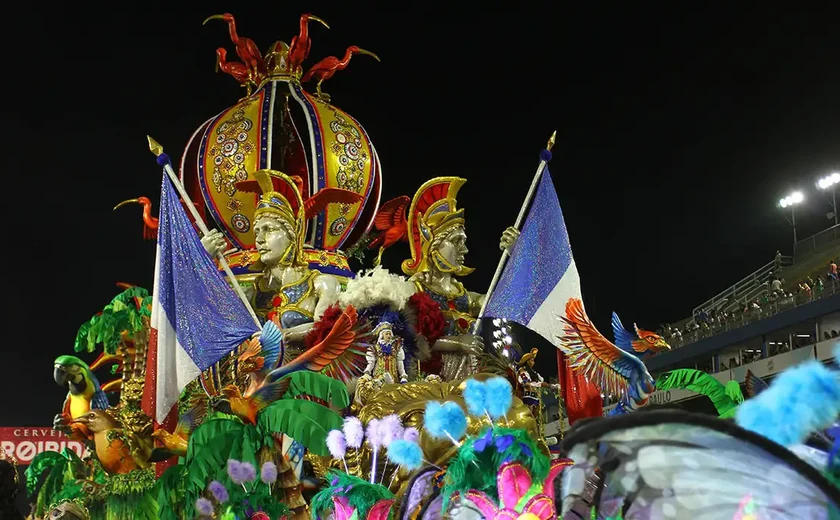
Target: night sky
679, 128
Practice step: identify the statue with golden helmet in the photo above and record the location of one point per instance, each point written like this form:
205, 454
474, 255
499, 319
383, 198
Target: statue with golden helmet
436, 233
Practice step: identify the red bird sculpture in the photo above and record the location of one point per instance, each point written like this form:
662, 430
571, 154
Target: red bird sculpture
392, 223
326, 68
301, 44
237, 69
246, 49
150, 223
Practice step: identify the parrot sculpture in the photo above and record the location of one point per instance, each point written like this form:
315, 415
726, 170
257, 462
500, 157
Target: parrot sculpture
84, 392
260, 358
392, 223
247, 408
118, 451
615, 371
175, 443
643, 342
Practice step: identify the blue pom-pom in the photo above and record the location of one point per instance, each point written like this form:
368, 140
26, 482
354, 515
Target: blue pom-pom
499, 397
163, 160
475, 395
406, 454
545, 155
800, 401
444, 421
837, 353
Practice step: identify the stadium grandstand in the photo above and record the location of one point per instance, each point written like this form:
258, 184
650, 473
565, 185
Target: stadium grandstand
783, 313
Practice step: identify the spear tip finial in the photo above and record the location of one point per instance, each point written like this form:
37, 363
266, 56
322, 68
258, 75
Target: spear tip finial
154, 146
551, 141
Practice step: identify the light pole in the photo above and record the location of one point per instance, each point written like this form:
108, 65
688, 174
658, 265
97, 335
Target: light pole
790, 202
831, 181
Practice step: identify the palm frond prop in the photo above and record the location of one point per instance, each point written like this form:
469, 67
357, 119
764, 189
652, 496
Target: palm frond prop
124, 315
725, 398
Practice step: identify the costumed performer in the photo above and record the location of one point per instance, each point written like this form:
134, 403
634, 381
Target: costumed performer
438, 241
532, 384
283, 287
386, 358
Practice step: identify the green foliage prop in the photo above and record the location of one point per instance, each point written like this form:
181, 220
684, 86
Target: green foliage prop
724, 398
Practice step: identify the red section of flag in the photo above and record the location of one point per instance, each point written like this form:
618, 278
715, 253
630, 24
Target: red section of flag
169, 425
149, 401
582, 398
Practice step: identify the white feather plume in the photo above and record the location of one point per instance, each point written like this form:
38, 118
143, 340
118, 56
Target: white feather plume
377, 286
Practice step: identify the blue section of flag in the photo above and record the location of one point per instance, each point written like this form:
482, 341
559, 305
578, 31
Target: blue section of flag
538, 260
208, 318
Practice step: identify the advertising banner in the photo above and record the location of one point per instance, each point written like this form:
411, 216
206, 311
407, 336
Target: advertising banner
24, 443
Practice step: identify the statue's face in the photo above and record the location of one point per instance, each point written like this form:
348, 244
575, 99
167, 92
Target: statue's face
386, 336
453, 248
272, 240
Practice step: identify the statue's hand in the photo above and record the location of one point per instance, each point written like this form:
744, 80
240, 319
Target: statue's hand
508, 238
471, 344
214, 242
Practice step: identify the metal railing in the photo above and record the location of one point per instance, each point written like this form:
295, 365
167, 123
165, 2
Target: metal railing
736, 321
747, 289
822, 240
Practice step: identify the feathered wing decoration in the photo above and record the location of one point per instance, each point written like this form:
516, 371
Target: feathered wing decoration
351, 362
601, 362
326, 196
322, 355
672, 464
623, 338
755, 385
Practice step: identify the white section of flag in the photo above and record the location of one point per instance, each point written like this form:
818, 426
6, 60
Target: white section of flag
546, 321
170, 355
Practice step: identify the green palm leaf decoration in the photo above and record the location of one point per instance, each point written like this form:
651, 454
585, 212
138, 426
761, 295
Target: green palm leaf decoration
124, 314
306, 383
724, 398
305, 421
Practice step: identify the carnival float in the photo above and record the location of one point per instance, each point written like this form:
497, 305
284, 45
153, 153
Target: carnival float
262, 378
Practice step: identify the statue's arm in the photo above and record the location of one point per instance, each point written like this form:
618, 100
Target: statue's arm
327, 288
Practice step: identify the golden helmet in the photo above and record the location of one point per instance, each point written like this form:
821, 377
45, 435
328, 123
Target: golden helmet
433, 211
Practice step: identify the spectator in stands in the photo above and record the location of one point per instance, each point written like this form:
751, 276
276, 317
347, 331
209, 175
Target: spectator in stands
834, 334
832, 270
775, 285
819, 285
778, 261
805, 288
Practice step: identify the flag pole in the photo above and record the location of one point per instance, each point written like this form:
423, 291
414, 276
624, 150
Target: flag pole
505, 254
164, 161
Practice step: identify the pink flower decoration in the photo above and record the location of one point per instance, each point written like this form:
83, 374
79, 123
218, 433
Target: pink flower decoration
379, 511
514, 482
259, 515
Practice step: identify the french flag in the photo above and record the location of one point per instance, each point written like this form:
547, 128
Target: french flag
541, 275
538, 280
197, 317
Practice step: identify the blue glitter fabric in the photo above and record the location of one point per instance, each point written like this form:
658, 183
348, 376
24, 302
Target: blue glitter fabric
208, 318
538, 261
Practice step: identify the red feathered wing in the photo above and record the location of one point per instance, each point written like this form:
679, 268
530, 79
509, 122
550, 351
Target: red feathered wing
327, 355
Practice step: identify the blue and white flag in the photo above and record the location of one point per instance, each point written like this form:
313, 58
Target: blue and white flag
197, 317
541, 275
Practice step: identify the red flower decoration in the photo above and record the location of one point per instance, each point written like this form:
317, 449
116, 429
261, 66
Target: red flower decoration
430, 320
259, 515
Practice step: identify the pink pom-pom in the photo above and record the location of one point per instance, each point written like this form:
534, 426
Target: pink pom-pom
354, 432
392, 429
337, 444
374, 433
411, 435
